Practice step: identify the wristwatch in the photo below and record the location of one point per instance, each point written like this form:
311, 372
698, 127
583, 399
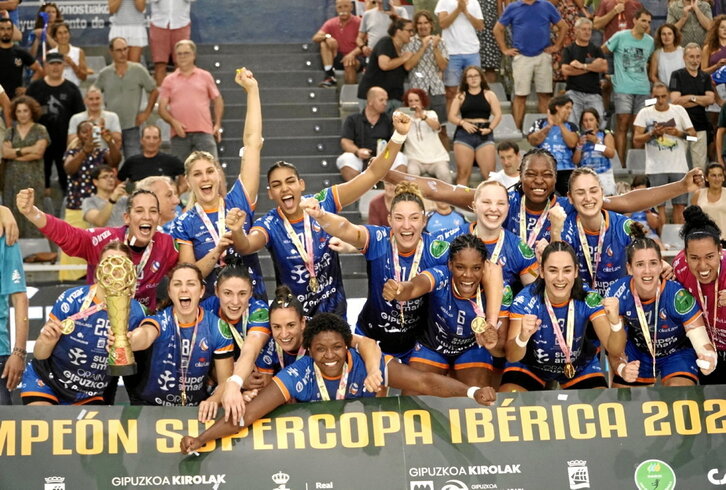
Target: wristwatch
18, 152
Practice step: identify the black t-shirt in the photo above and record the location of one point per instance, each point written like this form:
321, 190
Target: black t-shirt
12, 61
357, 128
58, 104
683, 82
139, 167
391, 81
589, 82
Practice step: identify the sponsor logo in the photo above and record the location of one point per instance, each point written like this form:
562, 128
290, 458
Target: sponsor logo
471, 470
507, 296
171, 480
454, 485
280, 480
438, 248
55, 483
260, 315
654, 473
684, 302
713, 477
525, 250
578, 474
225, 329
593, 299
320, 196
627, 224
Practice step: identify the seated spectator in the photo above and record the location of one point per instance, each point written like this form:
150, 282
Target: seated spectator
98, 116
476, 113
425, 153
362, 133
374, 25
166, 193
692, 18
558, 136
107, 205
129, 22
443, 218
595, 149
75, 70
508, 152
41, 42
380, 206
151, 161
668, 54
712, 199
338, 49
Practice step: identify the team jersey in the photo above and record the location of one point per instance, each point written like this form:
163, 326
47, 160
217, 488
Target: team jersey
289, 266
76, 369
513, 218
516, 257
689, 281
268, 361
543, 351
189, 228
258, 318
448, 329
161, 383
612, 264
298, 380
87, 244
380, 319
676, 309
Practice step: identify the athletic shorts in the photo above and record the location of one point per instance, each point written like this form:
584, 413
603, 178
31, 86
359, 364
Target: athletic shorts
34, 389
532, 379
475, 357
681, 363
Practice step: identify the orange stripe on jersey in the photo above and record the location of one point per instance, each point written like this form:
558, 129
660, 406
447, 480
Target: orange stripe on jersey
28, 394
261, 230
336, 198
262, 330
226, 349
580, 378
695, 317
469, 365
683, 374
89, 400
431, 279
524, 371
597, 314
532, 269
429, 362
252, 204
283, 389
516, 316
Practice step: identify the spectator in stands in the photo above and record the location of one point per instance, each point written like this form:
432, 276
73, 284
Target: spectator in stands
475, 112
338, 49
387, 64
582, 63
361, 135
375, 23
425, 153
23, 150
129, 22
720, 133
489, 53
712, 199
74, 57
184, 102
443, 218
9, 10
166, 193
595, 149
13, 60
60, 99
98, 116
692, 18
558, 135
691, 88
170, 23
380, 206
459, 20
508, 152
631, 51
615, 15
714, 58
122, 83
12, 285
662, 128
41, 42
6, 120
430, 58
151, 161
107, 205
668, 54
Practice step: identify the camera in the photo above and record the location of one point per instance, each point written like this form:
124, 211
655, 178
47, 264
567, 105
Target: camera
96, 134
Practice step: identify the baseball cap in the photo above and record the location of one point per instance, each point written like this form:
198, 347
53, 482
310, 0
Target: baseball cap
54, 58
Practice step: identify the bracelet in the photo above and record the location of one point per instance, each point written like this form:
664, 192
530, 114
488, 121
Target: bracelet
470, 392
237, 379
398, 138
112, 201
617, 326
520, 342
17, 351
620, 369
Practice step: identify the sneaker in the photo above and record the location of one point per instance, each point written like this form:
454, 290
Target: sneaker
329, 82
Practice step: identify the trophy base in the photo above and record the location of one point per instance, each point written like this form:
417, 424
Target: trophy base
122, 370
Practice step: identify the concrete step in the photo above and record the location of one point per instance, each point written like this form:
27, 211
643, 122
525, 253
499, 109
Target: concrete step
301, 145
279, 95
261, 61
253, 49
324, 164
289, 111
286, 127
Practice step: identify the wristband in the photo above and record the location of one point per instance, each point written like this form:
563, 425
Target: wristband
398, 138
235, 378
520, 342
617, 326
621, 368
471, 391
19, 352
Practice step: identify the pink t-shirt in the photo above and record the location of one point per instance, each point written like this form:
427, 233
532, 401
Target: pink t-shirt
189, 98
345, 35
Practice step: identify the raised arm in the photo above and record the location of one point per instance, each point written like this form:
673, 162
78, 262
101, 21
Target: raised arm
435, 189
641, 199
336, 225
249, 166
406, 290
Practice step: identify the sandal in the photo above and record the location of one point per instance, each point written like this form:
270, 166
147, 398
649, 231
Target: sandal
42, 258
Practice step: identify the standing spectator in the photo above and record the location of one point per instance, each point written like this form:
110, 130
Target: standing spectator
558, 135
128, 21
570, 11
123, 83
662, 128
23, 149
60, 99
459, 20
375, 23
489, 53
75, 70
40, 39
720, 133
691, 88
714, 58
582, 64
184, 102
508, 152
614, 16
387, 66
97, 115
595, 149
425, 153
107, 205
338, 49
151, 161
13, 60
712, 199
631, 51
6, 120
170, 23
692, 18
668, 54
9, 9
530, 22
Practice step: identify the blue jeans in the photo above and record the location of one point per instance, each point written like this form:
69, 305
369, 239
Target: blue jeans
457, 63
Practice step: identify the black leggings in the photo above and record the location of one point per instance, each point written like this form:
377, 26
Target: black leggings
54, 154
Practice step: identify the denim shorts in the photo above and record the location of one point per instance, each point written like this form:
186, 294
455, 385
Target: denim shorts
474, 140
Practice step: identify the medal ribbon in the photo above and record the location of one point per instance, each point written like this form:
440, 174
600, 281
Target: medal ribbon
340, 392
240, 339
586, 249
478, 308
412, 271
537, 226
144, 257
281, 355
644, 327
184, 368
217, 233
565, 347
497, 248
306, 252
710, 325
85, 310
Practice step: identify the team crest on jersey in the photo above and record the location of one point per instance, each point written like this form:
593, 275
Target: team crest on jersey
260, 315
507, 296
320, 196
203, 344
593, 299
438, 248
627, 224
525, 250
683, 302
224, 329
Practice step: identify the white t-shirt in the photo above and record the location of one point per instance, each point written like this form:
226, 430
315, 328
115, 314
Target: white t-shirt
505, 179
375, 23
110, 121
423, 143
460, 37
667, 154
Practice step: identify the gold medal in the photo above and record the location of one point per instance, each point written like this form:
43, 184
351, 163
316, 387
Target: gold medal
313, 285
569, 370
479, 325
184, 398
68, 326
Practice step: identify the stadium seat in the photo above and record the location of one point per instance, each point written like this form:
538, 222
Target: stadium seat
507, 129
348, 100
499, 91
635, 161
669, 235
529, 119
